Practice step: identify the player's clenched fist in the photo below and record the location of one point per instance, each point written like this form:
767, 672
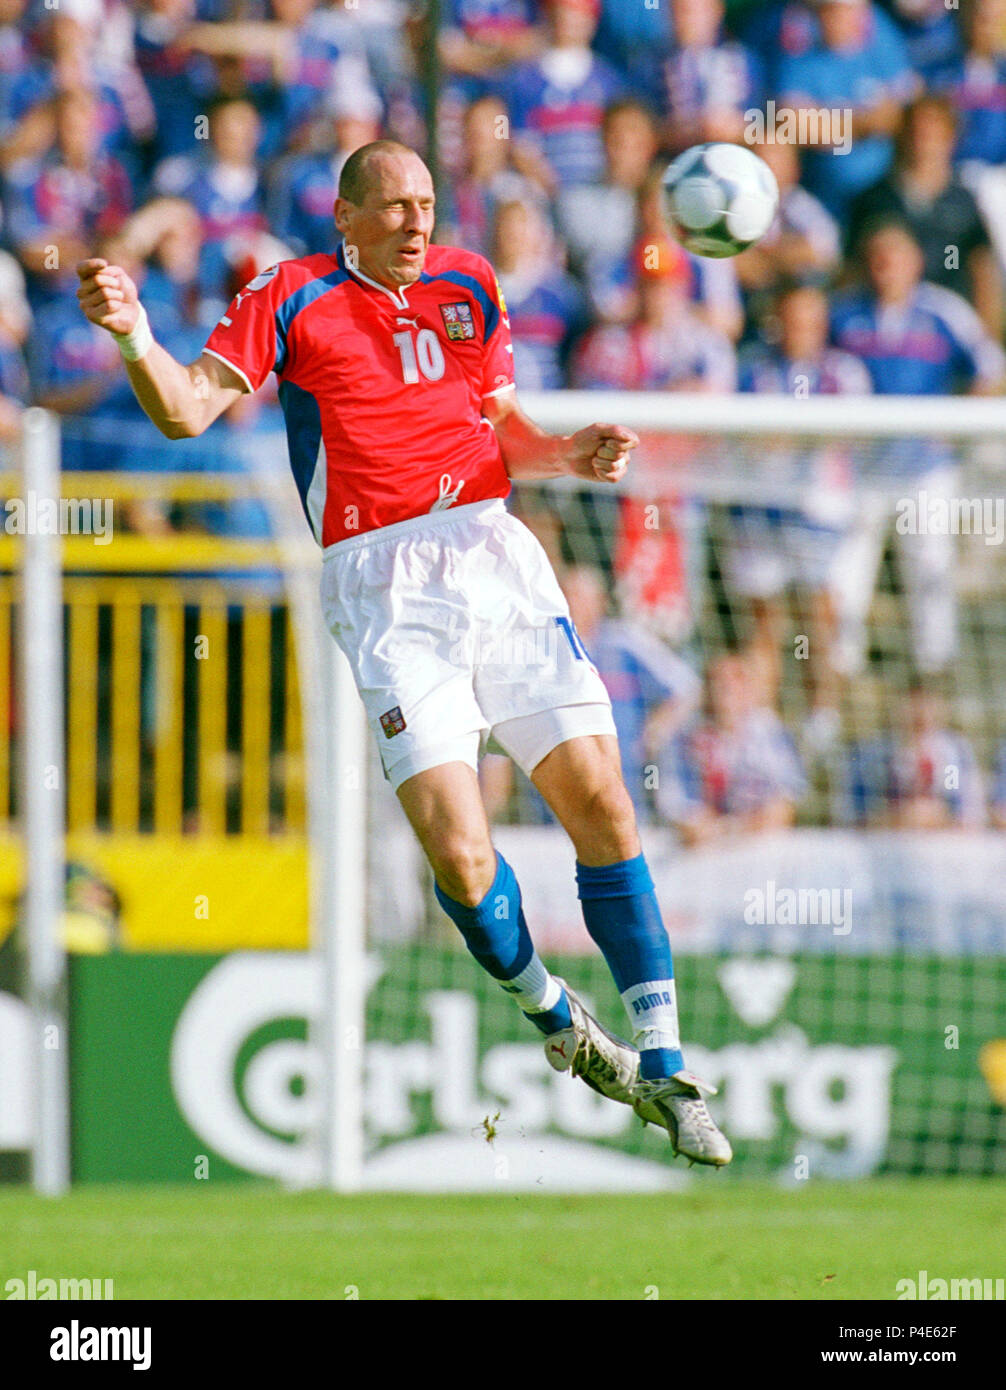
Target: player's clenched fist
108, 296
601, 451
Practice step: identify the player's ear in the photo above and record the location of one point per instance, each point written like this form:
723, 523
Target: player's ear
341, 213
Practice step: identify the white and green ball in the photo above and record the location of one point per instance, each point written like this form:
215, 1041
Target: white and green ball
719, 199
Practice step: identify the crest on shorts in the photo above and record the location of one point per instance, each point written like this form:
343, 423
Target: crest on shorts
393, 721
458, 321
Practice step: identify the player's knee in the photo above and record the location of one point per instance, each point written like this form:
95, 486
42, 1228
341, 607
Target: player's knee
607, 822
465, 869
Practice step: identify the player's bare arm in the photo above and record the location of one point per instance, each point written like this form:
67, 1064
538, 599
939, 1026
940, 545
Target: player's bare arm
182, 401
599, 451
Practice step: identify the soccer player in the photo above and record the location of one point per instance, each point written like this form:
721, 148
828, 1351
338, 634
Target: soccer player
396, 381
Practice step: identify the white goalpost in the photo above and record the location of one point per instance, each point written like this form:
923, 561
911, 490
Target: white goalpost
42, 778
342, 833
962, 417
335, 742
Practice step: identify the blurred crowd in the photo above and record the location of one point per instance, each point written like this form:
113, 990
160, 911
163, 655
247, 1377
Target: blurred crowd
712, 757
196, 141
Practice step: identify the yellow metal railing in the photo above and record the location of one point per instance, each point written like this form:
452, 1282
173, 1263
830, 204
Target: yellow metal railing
185, 795
167, 710
176, 722
6, 597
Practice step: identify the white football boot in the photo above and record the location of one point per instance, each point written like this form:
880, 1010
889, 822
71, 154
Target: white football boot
608, 1064
675, 1103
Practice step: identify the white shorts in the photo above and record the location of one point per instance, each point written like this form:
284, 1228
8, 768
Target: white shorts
460, 641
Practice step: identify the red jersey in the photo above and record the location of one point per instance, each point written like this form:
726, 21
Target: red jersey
381, 388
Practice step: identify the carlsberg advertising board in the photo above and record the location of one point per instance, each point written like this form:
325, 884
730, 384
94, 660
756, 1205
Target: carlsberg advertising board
198, 1067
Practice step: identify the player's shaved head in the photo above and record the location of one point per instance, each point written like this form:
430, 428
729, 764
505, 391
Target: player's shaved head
385, 212
357, 176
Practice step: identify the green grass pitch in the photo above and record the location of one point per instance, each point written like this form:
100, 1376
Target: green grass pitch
717, 1239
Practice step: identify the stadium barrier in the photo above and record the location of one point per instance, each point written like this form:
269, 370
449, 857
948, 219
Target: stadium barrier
184, 740
194, 786
830, 1065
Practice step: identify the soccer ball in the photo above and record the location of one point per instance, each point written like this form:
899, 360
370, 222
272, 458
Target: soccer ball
719, 199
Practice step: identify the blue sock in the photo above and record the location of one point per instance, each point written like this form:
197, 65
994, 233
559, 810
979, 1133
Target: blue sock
622, 915
496, 934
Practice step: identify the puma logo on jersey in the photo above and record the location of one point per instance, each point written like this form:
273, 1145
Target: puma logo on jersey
260, 281
413, 322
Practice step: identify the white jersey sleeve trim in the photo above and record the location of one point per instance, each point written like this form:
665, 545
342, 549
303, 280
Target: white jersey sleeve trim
227, 363
500, 390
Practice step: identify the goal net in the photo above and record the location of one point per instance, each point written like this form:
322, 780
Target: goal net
799, 607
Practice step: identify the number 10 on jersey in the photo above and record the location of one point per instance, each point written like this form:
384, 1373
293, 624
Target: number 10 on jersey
422, 355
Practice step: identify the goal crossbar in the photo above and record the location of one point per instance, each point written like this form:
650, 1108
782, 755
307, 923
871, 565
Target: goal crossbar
957, 417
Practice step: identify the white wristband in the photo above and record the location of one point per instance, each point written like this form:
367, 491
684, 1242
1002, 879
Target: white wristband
138, 343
